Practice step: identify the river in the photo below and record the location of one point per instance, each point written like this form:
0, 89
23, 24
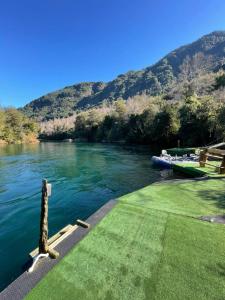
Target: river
83, 176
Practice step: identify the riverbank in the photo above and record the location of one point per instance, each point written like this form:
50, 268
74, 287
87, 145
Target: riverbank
152, 245
26, 141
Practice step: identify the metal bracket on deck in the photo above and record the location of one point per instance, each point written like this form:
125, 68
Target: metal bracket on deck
35, 260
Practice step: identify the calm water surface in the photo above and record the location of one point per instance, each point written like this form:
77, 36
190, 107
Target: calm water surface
84, 177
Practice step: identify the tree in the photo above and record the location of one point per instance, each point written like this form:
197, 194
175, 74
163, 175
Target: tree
220, 82
80, 125
220, 124
198, 121
2, 124
120, 109
140, 127
17, 128
166, 125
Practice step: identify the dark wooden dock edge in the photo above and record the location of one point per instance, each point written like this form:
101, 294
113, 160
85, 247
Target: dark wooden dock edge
20, 287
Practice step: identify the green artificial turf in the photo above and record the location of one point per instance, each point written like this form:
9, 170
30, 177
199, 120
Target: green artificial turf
192, 264
190, 197
194, 169
149, 246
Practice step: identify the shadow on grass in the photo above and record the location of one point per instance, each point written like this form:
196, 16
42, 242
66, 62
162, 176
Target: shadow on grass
190, 171
218, 197
194, 171
202, 190
210, 191
217, 269
221, 269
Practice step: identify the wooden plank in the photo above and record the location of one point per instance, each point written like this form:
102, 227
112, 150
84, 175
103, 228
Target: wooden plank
217, 145
215, 156
209, 164
218, 167
216, 152
83, 224
69, 228
59, 240
58, 234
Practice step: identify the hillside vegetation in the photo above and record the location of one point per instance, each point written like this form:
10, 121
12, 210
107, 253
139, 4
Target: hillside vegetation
181, 98
194, 120
205, 56
16, 128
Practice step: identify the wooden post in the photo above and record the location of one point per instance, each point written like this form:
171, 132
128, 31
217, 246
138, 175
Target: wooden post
43, 241
222, 167
202, 158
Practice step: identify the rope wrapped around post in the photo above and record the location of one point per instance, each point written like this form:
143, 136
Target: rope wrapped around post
44, 250
43, 241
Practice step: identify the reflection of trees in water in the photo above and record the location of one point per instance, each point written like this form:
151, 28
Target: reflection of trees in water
84, 162
6, 150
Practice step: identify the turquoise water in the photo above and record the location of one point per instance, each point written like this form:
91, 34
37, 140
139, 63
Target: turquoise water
83, 176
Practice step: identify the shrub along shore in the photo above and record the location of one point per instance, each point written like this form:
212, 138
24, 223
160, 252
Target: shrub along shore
16, 128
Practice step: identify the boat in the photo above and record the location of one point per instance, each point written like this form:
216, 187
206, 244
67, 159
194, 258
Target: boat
167, 161
162, 162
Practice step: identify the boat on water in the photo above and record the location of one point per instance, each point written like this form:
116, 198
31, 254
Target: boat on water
167, 161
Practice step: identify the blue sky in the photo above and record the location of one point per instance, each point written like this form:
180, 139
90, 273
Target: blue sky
48, 44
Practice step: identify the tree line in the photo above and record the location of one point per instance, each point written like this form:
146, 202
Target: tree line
148, 120
192, 113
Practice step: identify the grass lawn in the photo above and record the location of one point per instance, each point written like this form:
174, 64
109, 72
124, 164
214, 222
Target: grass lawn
149, 246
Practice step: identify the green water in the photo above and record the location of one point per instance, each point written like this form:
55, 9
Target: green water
84, 177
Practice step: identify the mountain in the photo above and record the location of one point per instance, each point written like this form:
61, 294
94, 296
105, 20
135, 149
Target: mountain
206, 54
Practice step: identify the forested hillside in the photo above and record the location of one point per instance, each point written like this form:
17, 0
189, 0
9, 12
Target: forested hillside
192, 119
168, 78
